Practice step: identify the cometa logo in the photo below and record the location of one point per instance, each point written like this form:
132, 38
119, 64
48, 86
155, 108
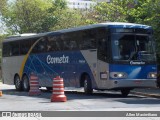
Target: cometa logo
54, 60
137, 63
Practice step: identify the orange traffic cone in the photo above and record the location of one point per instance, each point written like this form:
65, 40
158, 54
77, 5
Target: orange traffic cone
1, 93
58, 90
34, 85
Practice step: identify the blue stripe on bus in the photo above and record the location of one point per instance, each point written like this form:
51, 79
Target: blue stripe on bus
47, 71
133, 71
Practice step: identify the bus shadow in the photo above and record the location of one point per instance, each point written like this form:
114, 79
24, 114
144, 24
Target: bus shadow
148, 101
14, 92
70, 94
74, 95
95, 95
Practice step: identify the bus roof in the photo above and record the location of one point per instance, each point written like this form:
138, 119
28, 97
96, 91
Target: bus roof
107, 24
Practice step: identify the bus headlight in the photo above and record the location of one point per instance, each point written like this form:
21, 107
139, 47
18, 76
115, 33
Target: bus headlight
152, 75
118, 75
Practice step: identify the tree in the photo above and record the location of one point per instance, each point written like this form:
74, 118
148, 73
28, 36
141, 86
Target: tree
3, 4
147, 12
134, 11
2, 37
73, 18
115, 11
24, 16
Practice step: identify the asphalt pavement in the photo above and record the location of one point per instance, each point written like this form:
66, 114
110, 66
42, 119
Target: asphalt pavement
150, 92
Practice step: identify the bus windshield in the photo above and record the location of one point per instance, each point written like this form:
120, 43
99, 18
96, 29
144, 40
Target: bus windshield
133, 47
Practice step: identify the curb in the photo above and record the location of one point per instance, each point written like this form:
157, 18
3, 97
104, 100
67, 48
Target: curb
145, 94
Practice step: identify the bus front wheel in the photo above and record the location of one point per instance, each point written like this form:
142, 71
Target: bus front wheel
18, 83
25, 83
125, 92
87, 85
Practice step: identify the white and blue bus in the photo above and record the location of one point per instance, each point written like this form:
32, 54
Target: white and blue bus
105, 56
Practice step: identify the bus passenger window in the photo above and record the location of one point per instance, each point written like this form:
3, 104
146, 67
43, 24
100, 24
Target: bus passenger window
40, 47
102, 44
73, 45
64, 39
102, 48
6, 50
53, 43
88, 40
66, 45
24, 46
15, 48
69, 41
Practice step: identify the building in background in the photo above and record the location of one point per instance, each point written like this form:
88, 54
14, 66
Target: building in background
83, 4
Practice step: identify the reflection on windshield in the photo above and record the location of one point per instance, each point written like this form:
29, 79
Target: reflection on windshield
132, 47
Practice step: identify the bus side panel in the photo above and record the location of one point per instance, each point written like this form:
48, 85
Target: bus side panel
10, 67
37, 65
91, 60
103, 75
69, 65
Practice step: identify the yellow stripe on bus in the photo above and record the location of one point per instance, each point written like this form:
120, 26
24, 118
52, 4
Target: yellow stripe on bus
26, 57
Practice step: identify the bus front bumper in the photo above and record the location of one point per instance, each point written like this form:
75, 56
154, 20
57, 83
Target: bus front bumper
118, 84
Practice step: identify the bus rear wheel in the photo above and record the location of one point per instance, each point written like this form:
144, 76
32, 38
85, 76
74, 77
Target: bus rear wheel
25, 83
18, 83
125, 92
88, 85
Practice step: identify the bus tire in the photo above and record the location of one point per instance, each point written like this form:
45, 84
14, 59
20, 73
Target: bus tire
125, 92
25, 83
87, 85
18, 83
